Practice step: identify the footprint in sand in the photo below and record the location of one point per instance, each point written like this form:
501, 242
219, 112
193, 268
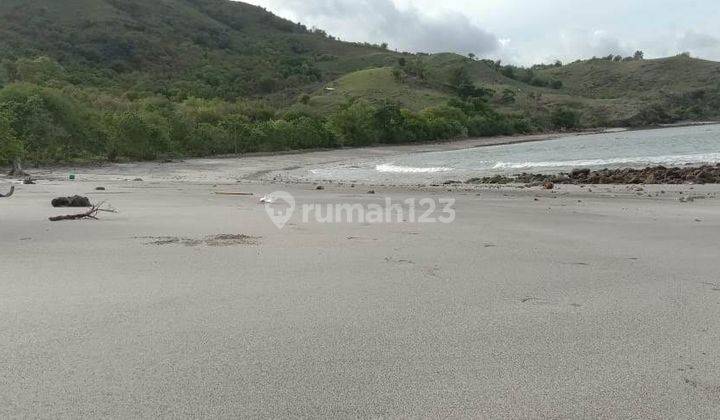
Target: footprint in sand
398, 261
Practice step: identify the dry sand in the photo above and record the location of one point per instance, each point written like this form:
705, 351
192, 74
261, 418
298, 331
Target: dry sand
532, 304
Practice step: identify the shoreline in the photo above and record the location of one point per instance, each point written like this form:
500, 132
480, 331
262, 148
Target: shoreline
288, 167
252, 167
436, 146
439, 145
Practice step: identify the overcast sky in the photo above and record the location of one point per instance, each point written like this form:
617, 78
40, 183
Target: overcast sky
518, 31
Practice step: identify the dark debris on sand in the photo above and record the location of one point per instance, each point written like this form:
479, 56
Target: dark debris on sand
213, 240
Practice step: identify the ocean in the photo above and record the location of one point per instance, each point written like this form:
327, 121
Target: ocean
637, 148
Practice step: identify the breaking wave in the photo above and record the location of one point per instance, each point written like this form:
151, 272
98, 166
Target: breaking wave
390, 168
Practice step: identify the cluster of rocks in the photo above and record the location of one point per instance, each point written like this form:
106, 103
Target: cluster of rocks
706, 174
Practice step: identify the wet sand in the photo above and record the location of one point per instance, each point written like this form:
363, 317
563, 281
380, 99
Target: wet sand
533, 303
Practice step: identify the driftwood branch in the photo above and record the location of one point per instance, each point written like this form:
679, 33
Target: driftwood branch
12, 191
90, 214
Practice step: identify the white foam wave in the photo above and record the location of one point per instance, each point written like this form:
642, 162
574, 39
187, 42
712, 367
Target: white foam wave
390, 168
644, 160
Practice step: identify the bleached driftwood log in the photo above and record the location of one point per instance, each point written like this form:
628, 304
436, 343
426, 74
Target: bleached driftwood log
90, 214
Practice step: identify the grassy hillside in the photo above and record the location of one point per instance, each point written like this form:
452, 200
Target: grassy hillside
603, 92
646, 91
137, 79
637, 78
378, 85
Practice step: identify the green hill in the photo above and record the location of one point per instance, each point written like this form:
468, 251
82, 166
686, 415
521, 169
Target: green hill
201, 48
637, 78
114, 79
603, 92
647, 91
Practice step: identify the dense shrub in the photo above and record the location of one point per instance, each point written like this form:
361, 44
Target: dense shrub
565, 118
51, 126
417, 128
354, 125
11, 147
489, 125
390, 124
137, 135
311, 133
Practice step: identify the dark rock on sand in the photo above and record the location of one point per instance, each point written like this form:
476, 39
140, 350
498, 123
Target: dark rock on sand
74, 201
496, 179
580, 172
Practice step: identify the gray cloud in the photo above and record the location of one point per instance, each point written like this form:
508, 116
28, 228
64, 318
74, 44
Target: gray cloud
382, 21
700, 44
518, 31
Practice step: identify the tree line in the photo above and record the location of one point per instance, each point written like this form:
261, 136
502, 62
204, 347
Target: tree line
43, 124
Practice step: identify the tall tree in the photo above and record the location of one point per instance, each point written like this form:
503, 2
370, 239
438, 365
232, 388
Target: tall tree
12, 148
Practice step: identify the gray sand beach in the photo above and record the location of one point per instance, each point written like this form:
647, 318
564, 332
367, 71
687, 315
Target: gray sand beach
533, 303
